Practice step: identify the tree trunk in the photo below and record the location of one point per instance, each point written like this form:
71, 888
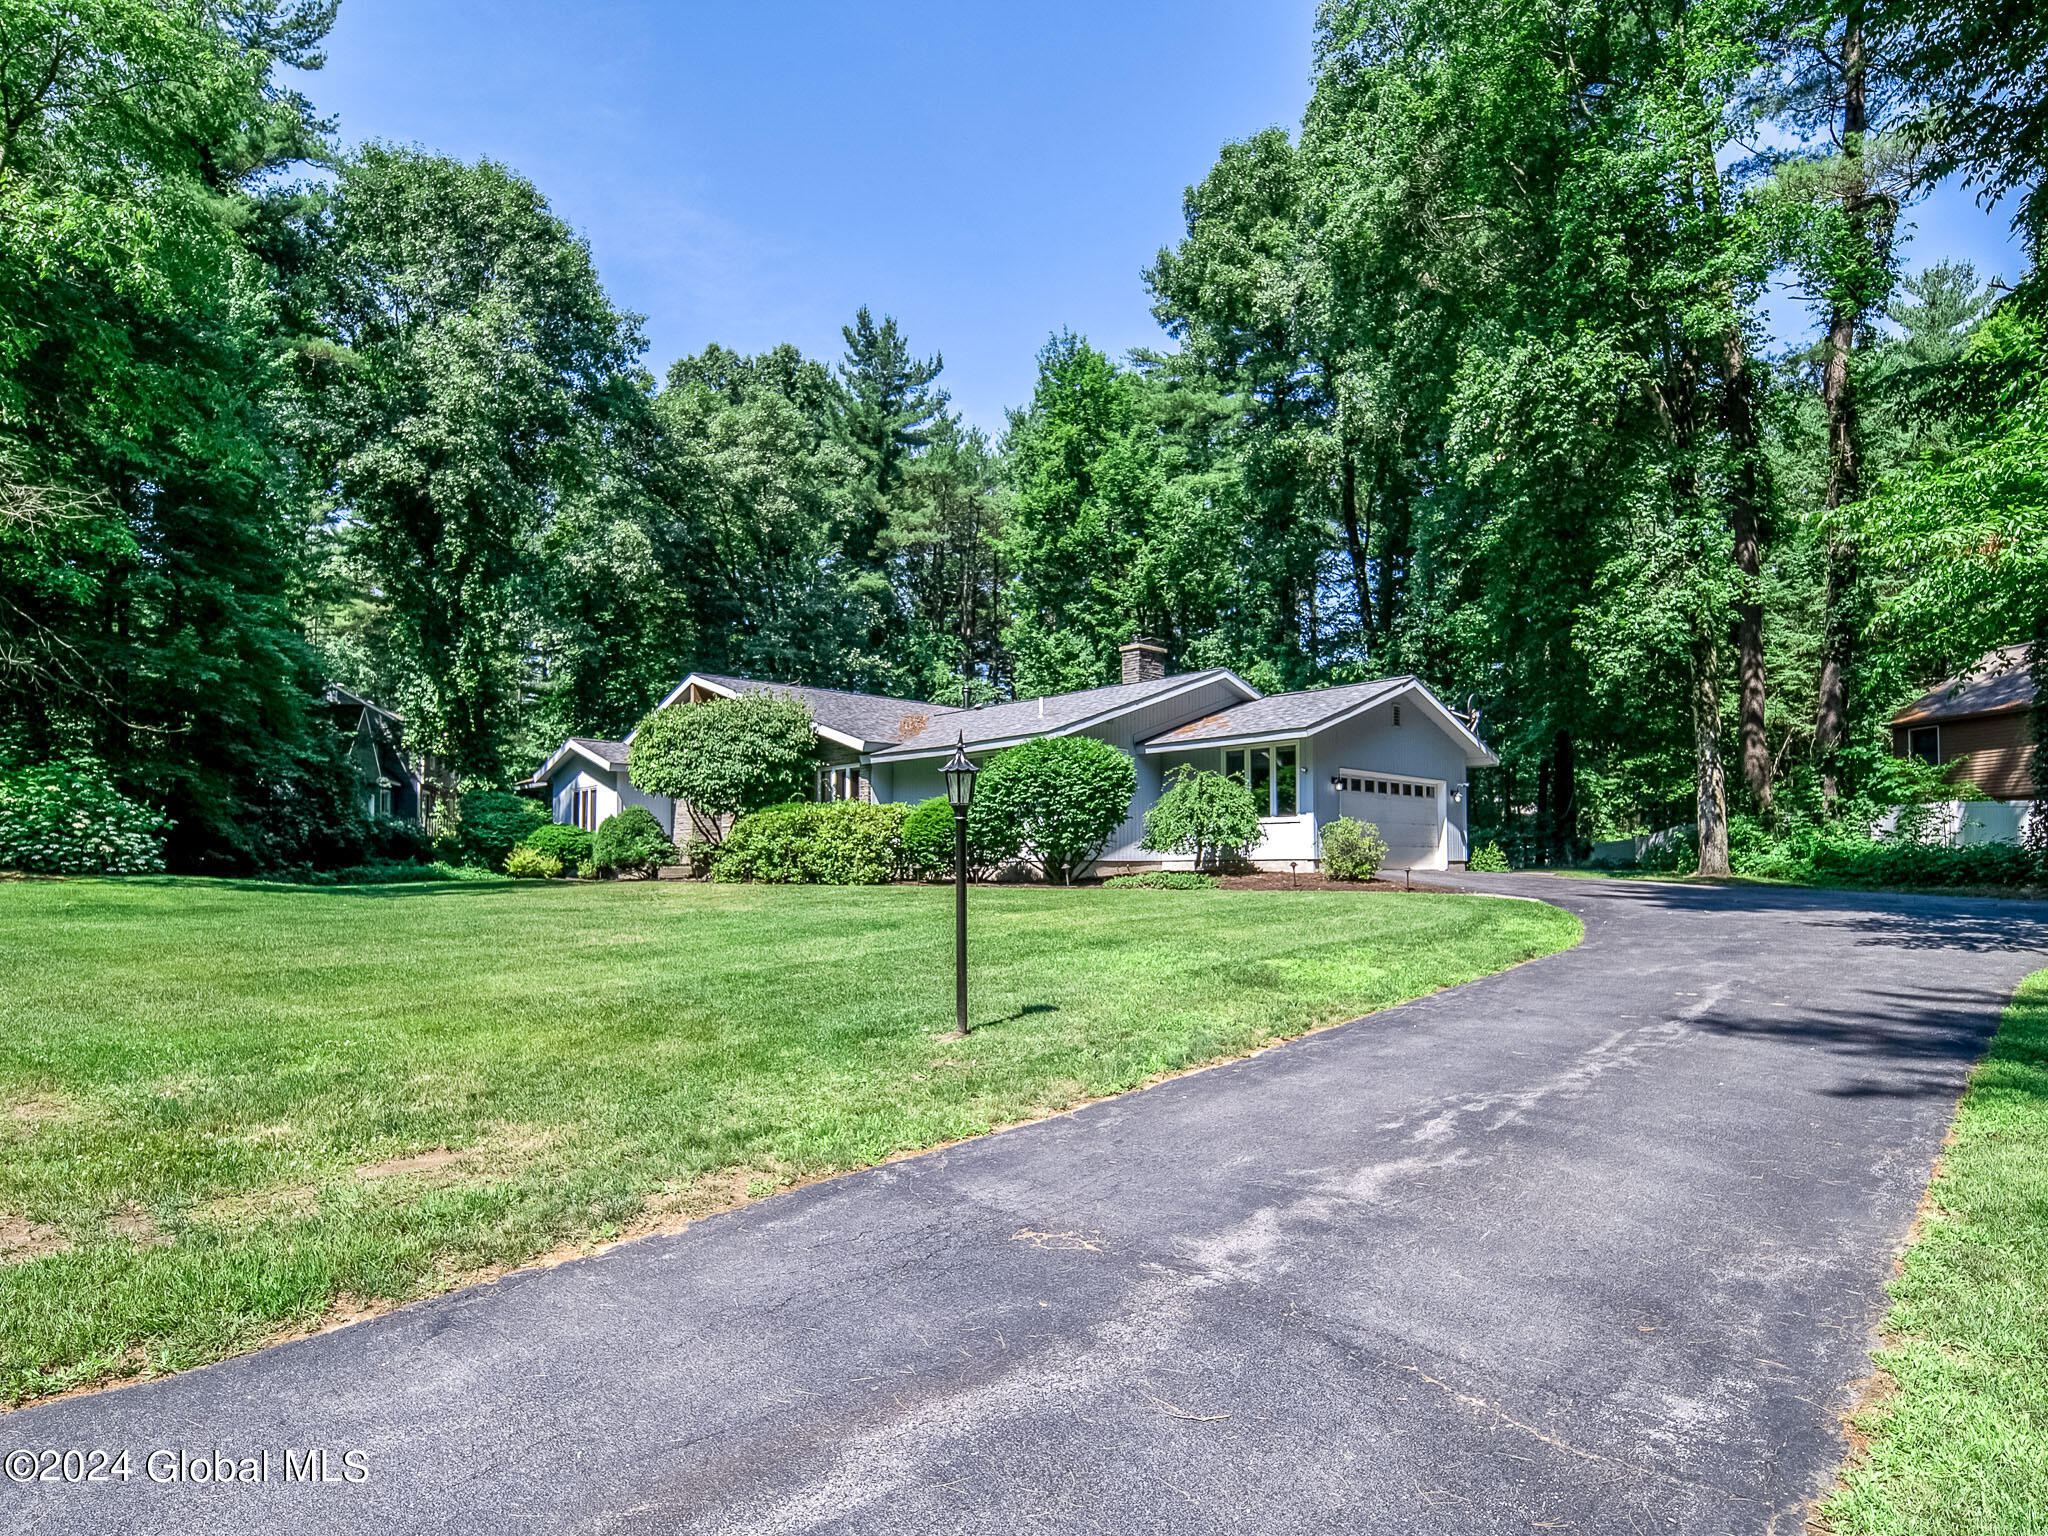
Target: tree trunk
1709, 777
1357, 531
1542, 846
1746, 501
1564, 813
1845, 459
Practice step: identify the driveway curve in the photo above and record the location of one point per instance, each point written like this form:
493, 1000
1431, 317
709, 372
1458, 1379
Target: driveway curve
1595, 1244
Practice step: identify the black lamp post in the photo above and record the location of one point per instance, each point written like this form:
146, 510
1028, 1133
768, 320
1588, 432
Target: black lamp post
959, 775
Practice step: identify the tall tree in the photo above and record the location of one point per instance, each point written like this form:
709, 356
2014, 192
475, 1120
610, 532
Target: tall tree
475, 367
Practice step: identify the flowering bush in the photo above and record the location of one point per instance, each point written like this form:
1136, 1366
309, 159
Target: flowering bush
66, 818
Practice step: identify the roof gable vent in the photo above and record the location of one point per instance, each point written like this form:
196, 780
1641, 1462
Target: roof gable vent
1397, 714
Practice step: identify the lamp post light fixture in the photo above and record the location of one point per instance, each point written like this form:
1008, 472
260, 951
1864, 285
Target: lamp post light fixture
959, 775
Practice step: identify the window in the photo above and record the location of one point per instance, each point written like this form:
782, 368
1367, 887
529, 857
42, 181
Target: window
839, 783
383, 799
583, 809
1272, 774
1924, 742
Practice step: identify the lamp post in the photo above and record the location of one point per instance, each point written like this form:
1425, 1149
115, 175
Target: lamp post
959, 776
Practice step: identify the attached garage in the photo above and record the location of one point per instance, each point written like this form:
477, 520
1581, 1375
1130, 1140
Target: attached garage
1409, 813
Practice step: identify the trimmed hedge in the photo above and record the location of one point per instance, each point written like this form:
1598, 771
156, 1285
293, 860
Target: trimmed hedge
1163, 880
571, 845
632, 842
841, 842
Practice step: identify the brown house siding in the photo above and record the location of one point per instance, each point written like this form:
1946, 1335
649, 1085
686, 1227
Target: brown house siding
1993, 752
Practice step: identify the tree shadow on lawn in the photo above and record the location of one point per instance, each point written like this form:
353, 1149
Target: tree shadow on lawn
475, 889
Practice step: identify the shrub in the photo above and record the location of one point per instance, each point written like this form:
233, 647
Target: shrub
1205, 814
1163, 880
842, 842
992, 839
729, 757
67, 818
407, 874
392, 841
525, 863
1065, 795
487, 825
632, 842
1352, 850
572, 845
1488, 861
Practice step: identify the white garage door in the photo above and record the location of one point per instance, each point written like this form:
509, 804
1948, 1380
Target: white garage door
1408, 812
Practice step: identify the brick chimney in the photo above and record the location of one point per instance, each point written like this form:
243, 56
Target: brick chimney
1144, 660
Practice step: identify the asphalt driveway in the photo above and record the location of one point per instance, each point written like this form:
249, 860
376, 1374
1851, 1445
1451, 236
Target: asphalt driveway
1592, 1245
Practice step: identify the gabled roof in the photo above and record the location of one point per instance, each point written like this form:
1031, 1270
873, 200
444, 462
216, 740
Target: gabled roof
995, 726
1316, 709
606, 755
859, 721
1999, 684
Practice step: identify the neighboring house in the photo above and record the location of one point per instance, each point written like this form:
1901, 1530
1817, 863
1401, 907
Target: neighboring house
1387, 752
1980, 725
387, 784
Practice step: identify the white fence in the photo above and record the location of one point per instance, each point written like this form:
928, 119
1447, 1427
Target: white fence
1957, 823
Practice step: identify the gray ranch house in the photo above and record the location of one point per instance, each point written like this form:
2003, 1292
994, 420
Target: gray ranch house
1387, 751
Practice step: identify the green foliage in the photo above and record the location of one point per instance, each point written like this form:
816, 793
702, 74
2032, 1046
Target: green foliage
632, 842
1352, 850
571, 845
67, 818
1163, 880
487, 825
728, 757
1208, 815
992, 839
1488, 860
406, 874
529, 863
1064, 795
839, 842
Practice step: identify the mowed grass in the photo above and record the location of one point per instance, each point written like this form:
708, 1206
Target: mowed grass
227, 1109
1962, 1445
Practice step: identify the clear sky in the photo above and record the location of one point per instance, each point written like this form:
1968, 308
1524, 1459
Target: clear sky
751, 173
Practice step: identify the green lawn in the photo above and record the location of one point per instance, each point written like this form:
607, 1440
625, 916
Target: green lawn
219, 1103
1962, 1444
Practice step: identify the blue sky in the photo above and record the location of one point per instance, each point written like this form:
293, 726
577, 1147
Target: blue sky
752, 173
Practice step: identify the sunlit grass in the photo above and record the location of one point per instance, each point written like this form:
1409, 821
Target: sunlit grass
1961, 1448
218, 1101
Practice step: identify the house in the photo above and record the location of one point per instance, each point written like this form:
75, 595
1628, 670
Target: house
387, 784
1387, 751
1979, 725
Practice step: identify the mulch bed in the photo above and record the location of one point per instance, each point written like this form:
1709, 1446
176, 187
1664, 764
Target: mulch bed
1270, 880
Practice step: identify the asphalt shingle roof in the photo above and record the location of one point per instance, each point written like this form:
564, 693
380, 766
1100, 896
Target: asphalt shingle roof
611, 751
1996, 685
1282, 713
1031, 717
871, 718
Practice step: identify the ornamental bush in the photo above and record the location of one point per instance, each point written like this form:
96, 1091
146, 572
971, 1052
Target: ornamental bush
729, 757
1065, 795
1488, 861
528, 863
1206, 814
1352, 850
842, 842
992, 840
1163, 880
632, 843
66, 818
572, 845
487, 825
